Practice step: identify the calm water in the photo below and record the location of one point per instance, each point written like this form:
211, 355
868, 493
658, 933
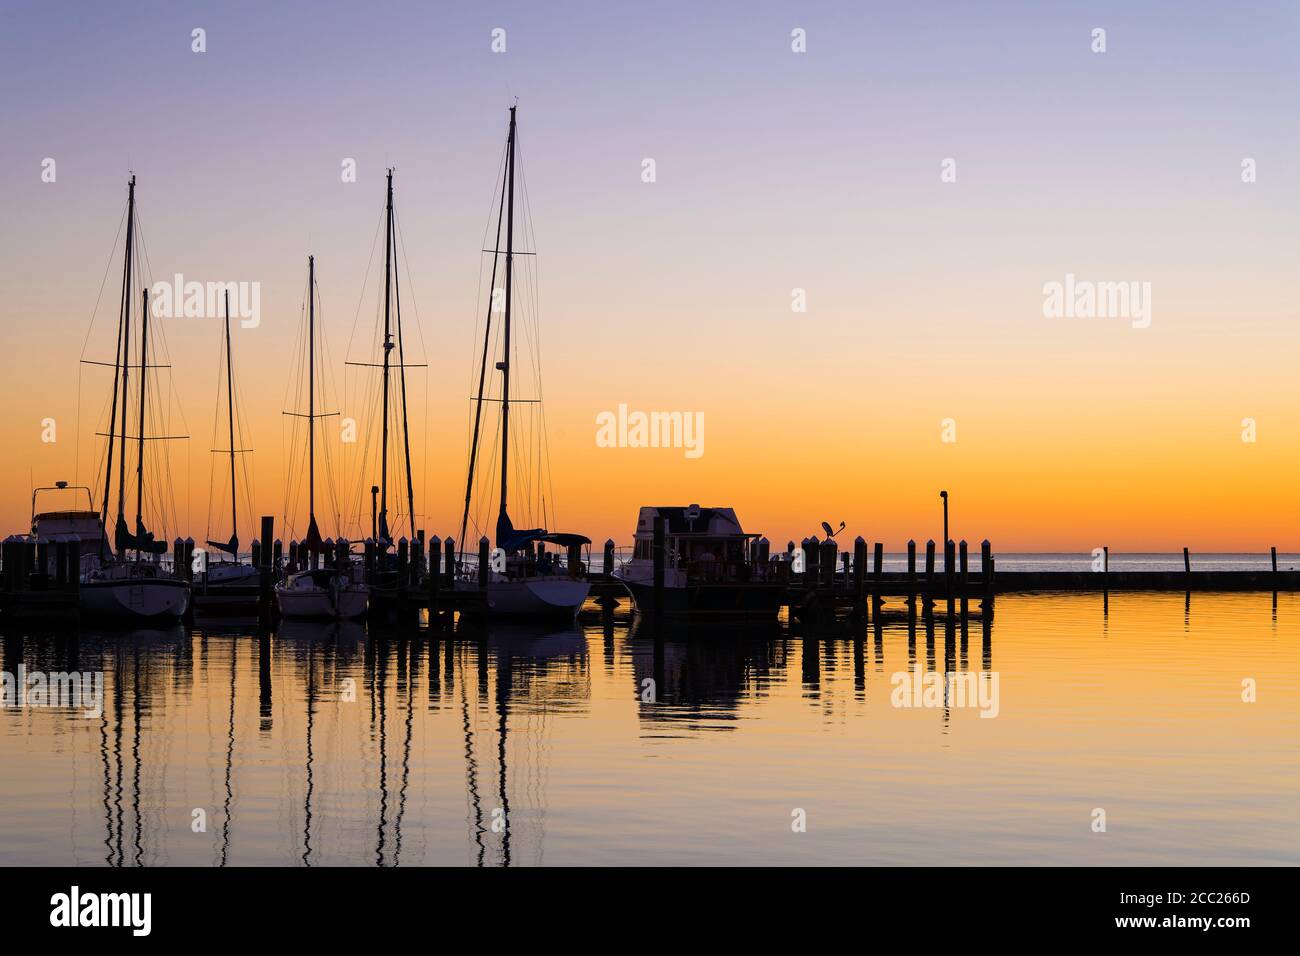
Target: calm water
331, 745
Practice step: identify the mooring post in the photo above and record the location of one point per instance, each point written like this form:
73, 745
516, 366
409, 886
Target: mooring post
1273, 552
178, 556
929, 570
911, 570
449, 563
484, 562
575, 560
1187, 561
878, 573
986, 569
268, 535
949, 566
435, 552
608, 568
29, 563
660, 560
417, 559
61, 564
965, 576
829, 559
403, 561
860, 569
277, 555
74, 564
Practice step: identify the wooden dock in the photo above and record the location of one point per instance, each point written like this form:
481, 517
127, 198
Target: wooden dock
40, 580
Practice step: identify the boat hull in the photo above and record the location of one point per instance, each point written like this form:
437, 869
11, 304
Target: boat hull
135, 599
543, 597
321, 604
723, 601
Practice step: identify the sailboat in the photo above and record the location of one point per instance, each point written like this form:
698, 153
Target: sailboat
525, 580
391, 406
131, 583
335, 590
221, 577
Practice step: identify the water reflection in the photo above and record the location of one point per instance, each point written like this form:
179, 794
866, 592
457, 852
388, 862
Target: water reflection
613, 741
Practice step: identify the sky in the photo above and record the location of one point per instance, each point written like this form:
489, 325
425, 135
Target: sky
922, 359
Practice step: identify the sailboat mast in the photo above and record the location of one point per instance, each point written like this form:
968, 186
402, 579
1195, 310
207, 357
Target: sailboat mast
388, 347
311, 390
401, 373
117, 362
126, 351
510, 268
482, 368
230, 412
144, 378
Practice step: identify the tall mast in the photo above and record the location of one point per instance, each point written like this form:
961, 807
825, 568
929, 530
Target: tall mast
510, 268
388, 347
401, 378
482, 368
230, 407
117, 359
311, 390
126, 351
144, 378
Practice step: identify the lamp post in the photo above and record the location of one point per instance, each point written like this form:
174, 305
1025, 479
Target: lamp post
944, 496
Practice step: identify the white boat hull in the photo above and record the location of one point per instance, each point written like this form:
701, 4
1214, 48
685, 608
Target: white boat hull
135, 599
320, 604
542, 596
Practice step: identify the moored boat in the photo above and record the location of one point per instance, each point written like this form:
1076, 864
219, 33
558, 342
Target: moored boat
325, 593
334, 590
709, 566
131, 583
524, 580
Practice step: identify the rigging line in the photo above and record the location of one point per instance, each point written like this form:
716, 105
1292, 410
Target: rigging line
482, 375
90, 325
401, 375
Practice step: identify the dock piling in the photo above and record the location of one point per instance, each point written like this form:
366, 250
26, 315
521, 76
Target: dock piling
878, 573
859, 569
659, 545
